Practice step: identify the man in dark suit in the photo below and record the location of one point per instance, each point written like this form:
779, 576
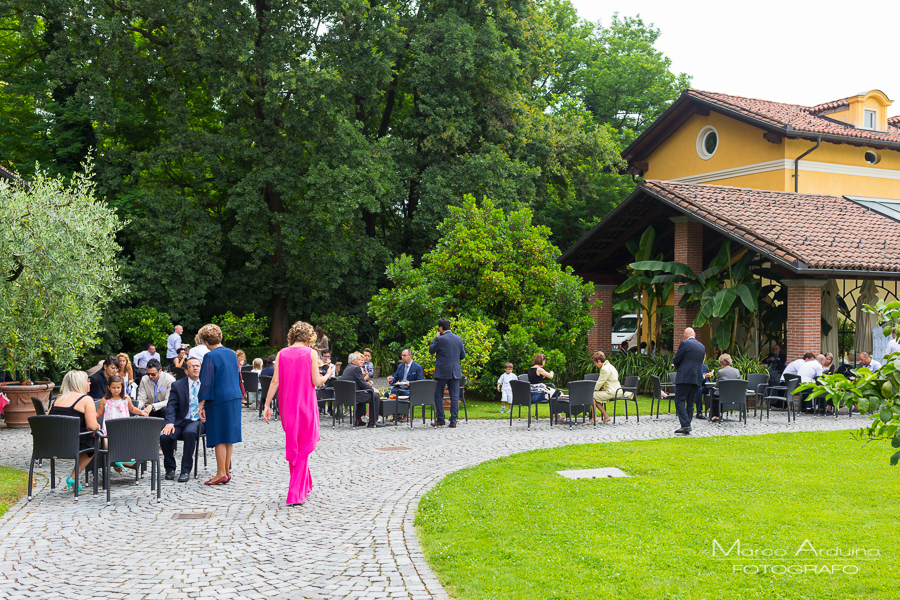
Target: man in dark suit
182, 421
408, 370
776, 360
355, 372
687, 362
449, 350
98, 380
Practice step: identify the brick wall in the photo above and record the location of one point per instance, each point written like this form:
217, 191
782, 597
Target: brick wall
600, 335
688, 250
804, 317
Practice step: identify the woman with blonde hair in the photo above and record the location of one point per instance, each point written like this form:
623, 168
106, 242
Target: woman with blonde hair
74, 401
220, 400
126, 373
296, 379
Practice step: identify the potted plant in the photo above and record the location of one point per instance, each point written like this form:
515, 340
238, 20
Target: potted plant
58, 272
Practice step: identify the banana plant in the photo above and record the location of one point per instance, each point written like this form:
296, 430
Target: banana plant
727, 291
655, 294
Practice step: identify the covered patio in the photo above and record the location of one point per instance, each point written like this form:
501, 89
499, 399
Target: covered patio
830, 254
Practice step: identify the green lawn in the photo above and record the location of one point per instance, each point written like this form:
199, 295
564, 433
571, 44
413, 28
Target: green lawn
480, 409
13, 485
514, 529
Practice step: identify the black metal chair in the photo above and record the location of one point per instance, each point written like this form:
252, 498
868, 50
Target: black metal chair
592, 377
134, 441
201, 441
39, 408
579, 401
733, 396
656, 396
754, 381
421, 393
53, 437
262, 392
774, 394
521, 396
629, 385
251, 384
345, 396
462, 397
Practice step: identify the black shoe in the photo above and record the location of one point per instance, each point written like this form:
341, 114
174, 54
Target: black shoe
170, 476
184, 478
684, 431
374, 425
359, 424
703, 417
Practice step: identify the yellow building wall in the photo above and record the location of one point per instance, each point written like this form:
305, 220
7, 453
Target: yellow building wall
739, 145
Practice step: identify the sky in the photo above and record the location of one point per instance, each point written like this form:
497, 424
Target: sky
793, 51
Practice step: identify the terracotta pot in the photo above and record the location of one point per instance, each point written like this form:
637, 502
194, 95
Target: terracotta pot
446, 400
20, 407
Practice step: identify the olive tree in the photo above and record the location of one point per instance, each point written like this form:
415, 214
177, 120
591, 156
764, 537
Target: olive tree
58, 269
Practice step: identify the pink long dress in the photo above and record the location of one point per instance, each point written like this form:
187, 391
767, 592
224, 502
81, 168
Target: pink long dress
299, 417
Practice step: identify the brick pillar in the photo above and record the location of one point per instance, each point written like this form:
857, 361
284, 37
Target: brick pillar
688, 250
804, 317
600, 335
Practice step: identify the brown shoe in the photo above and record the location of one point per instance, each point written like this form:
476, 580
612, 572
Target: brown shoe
437, 424
452, 425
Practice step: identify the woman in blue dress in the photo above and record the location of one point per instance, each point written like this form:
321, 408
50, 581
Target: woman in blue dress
220, 401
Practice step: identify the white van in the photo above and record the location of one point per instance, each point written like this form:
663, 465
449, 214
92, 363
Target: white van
625, 329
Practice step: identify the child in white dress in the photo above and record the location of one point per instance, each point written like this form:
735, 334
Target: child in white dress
505, 388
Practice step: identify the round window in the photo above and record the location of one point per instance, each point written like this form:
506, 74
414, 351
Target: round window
707, 142
872, 157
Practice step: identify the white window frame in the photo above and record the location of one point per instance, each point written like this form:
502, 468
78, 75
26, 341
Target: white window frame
874, 113
701, 147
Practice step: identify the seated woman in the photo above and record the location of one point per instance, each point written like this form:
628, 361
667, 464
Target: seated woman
725, 373
74, 401
257, 366
540, 392
127, 373
178, 361
606, 387
242, 358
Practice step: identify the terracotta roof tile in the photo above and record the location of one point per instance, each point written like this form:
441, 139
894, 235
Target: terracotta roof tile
801, 118
821, 232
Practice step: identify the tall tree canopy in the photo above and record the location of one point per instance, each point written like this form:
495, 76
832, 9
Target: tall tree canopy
273, 156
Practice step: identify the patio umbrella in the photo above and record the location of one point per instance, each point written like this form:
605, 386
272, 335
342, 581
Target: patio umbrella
830, 315
865, 322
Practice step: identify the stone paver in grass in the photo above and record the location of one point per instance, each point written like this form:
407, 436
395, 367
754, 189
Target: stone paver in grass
354, 538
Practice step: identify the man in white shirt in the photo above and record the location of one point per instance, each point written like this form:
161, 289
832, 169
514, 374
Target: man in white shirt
892, 345
867, 361
142, 358
173, 343
811, 369
198, 352
794, 367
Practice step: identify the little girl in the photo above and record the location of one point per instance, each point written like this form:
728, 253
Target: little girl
116, 405
505, 388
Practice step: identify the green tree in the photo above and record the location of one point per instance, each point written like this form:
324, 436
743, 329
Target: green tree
144, 325
238, 331
57, 269
497, 268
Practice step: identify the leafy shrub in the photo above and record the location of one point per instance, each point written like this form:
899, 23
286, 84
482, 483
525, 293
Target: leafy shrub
143, 325
342, 334
237, 331
476, 335
260, 352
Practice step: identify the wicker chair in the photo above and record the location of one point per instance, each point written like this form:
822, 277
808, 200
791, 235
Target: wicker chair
133, 440
57, 436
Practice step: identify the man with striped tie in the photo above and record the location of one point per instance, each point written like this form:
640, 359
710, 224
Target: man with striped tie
182, 422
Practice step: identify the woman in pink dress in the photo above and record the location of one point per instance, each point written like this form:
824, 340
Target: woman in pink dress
296, 378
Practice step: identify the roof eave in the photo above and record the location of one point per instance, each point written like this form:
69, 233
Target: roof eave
609, 216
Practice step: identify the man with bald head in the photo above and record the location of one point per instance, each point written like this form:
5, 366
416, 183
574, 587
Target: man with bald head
687, 362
